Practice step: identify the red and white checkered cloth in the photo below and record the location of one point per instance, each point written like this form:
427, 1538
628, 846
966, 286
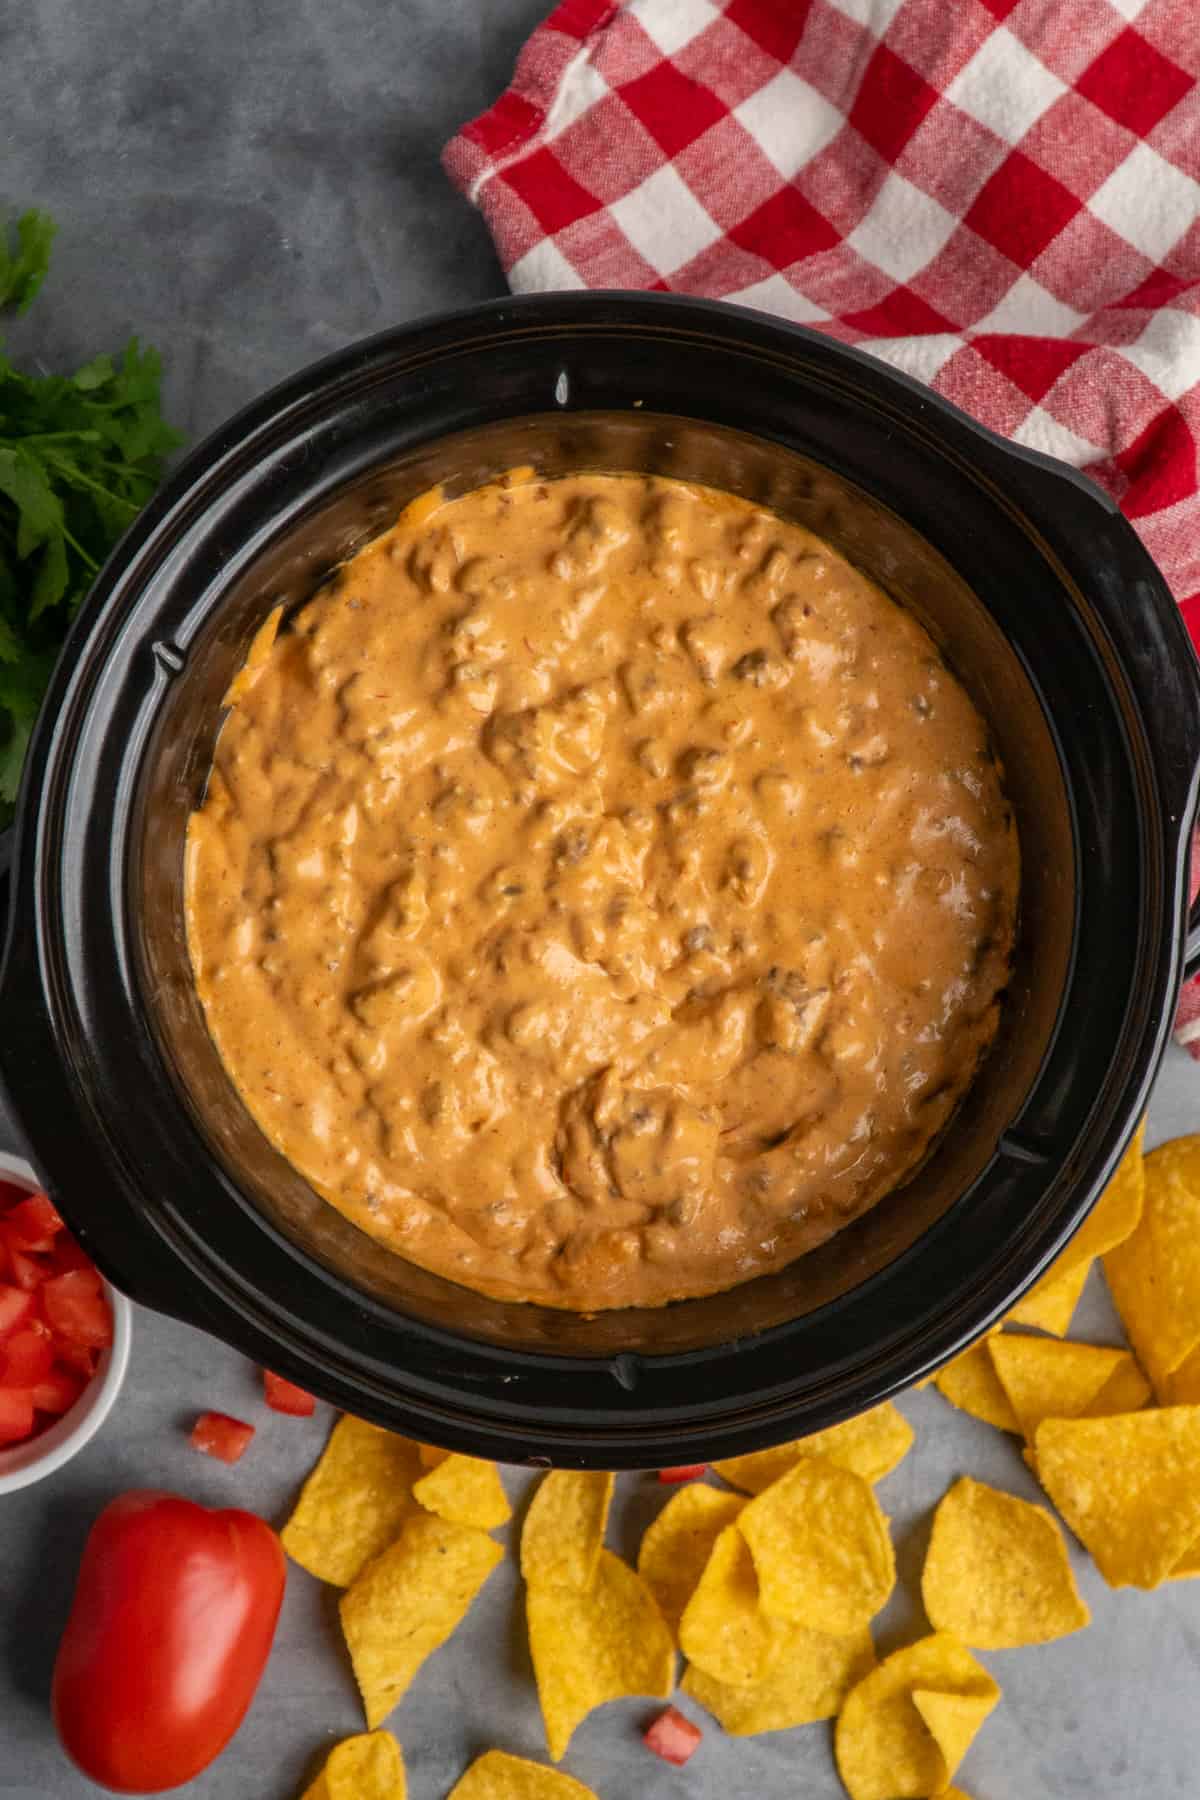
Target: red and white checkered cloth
1000, 197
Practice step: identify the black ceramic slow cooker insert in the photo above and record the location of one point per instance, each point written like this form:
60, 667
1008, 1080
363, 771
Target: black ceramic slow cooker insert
1043, 602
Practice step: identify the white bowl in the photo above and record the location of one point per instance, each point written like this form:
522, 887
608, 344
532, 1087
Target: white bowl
25, 1463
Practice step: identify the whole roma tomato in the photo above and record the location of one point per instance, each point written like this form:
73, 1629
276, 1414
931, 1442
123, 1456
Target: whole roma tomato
174, 1612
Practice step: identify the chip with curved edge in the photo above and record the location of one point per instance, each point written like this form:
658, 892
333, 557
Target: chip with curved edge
564, 1528
354, 1502
724, 1629
498, 1776
1129, 1488
1126, 1390
366, 1767
890, 1745
821, 1548
466, 1490
871, 1444
1050, 1303
1116, 1214
408, 1601
431, 1455
1182, 1386
810, 1677
1154, 1276
677, 1544
593, 1644
997, 1574
1047, 1379
970, 1382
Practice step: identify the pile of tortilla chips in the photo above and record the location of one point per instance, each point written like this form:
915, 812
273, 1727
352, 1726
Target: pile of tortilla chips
770, 1584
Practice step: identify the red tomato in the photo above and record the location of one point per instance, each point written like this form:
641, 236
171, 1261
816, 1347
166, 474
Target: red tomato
75, 1306
26, 1358
58, 1391
685, 1472
69, 1255
220, 1436
77, 1357
17, 1308
170, 1628
27, 1271
286, 1397
16, 1414
672, 1737
34, 1222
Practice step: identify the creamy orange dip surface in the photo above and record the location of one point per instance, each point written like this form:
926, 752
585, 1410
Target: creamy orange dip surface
603, 892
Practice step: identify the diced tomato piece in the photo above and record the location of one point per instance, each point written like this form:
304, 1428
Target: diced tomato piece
69, 1254
25, 1270
26, 1358
58, 1391
218, 1435
685, 1472
16, 1415
11, 1195
286, 1397
76, 1308
79, 1357
17, 1308
672, 1737
34, 1222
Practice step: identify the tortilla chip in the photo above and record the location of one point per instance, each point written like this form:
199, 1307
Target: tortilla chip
1155, 1274
896, 1734
594, 1644
1182, 1386
821, 1548
408, 1601
869, 1445
1188, 1564
498, 1776
1117, 1212
465, 1490
1048, 1379
724, 1629
971, 1383
431, 1456
354, 1503
564, 1527
676, 1547
1050, 1303
997, 1573
1126, 1390
367, 1767
810, 1677
1128, 1486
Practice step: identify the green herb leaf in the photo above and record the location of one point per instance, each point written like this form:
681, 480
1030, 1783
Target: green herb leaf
22, 273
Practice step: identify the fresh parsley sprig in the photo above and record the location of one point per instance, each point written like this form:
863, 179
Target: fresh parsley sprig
80, 455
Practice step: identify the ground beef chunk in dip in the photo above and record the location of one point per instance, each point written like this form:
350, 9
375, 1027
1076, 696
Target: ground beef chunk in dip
603, 892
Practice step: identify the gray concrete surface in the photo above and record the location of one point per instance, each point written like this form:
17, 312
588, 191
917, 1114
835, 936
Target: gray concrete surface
248, 184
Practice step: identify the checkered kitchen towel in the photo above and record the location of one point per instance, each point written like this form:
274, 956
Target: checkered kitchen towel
1000, 197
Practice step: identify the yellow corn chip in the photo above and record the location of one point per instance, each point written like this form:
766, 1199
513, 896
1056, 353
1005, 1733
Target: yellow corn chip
466, 1490
367, 1767
997, 1573
810, 1677
1182, 1386
1126, 1390
595, 1644
1188, 1564
353, 1504
498, 1776
408, 1601
724, 1629
1050, 1303
821, 1548
431, 1456
869, 1445
1047, 1379
893, 1739
676, 1547
1155, 1274
564, 1527
971, 1383
1116, 1214
1128, 1486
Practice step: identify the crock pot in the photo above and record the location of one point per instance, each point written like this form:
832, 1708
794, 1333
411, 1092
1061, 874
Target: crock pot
1042, 600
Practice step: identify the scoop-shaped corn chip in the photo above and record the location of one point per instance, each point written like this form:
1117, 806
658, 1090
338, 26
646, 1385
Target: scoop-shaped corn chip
891, 1742
870, 1445
408, 1601
366, 1767
593, 1644
821, 1548
355, 1501
997, 1573
564, 1527
498, 1776
970, 1382
1128, 1486
810, 1677
1047, 1379
677, 1545
724, 1629
1155, 1274
466, 1490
